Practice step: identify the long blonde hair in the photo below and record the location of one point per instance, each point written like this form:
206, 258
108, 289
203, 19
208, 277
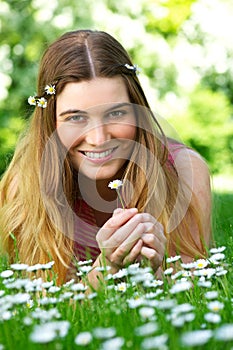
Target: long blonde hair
32, 205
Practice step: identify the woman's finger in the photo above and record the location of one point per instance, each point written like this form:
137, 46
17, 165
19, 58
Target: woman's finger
117, 249
153, 256
154, 241
114, 223
134, 253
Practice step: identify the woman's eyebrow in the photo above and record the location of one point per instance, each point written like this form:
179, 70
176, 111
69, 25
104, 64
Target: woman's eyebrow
118, 105
71, 111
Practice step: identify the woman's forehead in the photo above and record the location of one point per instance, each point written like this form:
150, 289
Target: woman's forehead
96, 92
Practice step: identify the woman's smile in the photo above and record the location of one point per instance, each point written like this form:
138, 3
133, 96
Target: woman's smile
99, 156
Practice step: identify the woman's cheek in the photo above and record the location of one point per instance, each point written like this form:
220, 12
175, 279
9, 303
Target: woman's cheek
69, 136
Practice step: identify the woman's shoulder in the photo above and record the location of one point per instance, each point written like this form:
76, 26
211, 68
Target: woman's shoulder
193, 173
183, 155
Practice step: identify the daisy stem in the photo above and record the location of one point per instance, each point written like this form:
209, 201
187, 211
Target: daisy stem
121, 200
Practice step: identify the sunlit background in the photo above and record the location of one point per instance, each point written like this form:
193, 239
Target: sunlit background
183, 48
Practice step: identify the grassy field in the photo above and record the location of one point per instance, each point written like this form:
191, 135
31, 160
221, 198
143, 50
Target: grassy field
222, 217
191, 309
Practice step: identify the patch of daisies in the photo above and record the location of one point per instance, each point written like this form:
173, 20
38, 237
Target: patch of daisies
194, 298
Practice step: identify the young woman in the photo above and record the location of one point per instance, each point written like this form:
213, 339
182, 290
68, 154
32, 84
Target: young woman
92, 125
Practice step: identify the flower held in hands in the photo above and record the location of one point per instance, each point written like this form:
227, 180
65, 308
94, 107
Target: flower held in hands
115, 185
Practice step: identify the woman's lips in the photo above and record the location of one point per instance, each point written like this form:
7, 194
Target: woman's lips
98, 156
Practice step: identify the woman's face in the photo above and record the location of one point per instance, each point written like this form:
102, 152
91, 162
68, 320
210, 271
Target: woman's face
96, 123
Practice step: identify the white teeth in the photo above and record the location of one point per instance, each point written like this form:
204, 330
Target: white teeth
98, 155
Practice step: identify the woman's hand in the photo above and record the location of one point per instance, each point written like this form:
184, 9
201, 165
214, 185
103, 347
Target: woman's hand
128, 235
154, 245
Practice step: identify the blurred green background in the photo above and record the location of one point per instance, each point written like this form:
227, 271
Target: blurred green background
184, 50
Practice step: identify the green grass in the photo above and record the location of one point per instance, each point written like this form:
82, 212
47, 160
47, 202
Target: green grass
222, 217
112, 306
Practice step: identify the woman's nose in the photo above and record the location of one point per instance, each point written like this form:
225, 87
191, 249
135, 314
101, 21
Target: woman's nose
98, 135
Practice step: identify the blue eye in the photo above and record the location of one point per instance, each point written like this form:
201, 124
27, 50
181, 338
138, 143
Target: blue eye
116, 114
77, 118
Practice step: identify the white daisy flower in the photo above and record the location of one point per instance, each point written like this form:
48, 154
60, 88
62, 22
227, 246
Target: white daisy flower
6, 273
121, 287
45, 315
48, 301
50, 89
173, 259
21, 298
121, 273
115, 184
49, 331
69, 283
215, 306
85, 269
225, 332
92, 295
42, 102
195, 338
19, 267
212, 317
146, 312
146, 329
6, 315
54, 289
168, 271
145, 278
182, 308
153, 295
201, 263
32, 100
178, 274
84, 262
113, 344
66, 295
80, 296
217, 250
48, 265
178, 321
204, 283
83, 338
166, 304
189, 317
216, 257
35, 267
221, 272
47, 284
78, 287
134, 303
133, 269
209, 272
153, 283
212, 294
180, 287
157, 342
102, 268
104, 333
188, 266
27, 321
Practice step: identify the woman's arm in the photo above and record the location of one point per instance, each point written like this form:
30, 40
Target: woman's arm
195, 178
